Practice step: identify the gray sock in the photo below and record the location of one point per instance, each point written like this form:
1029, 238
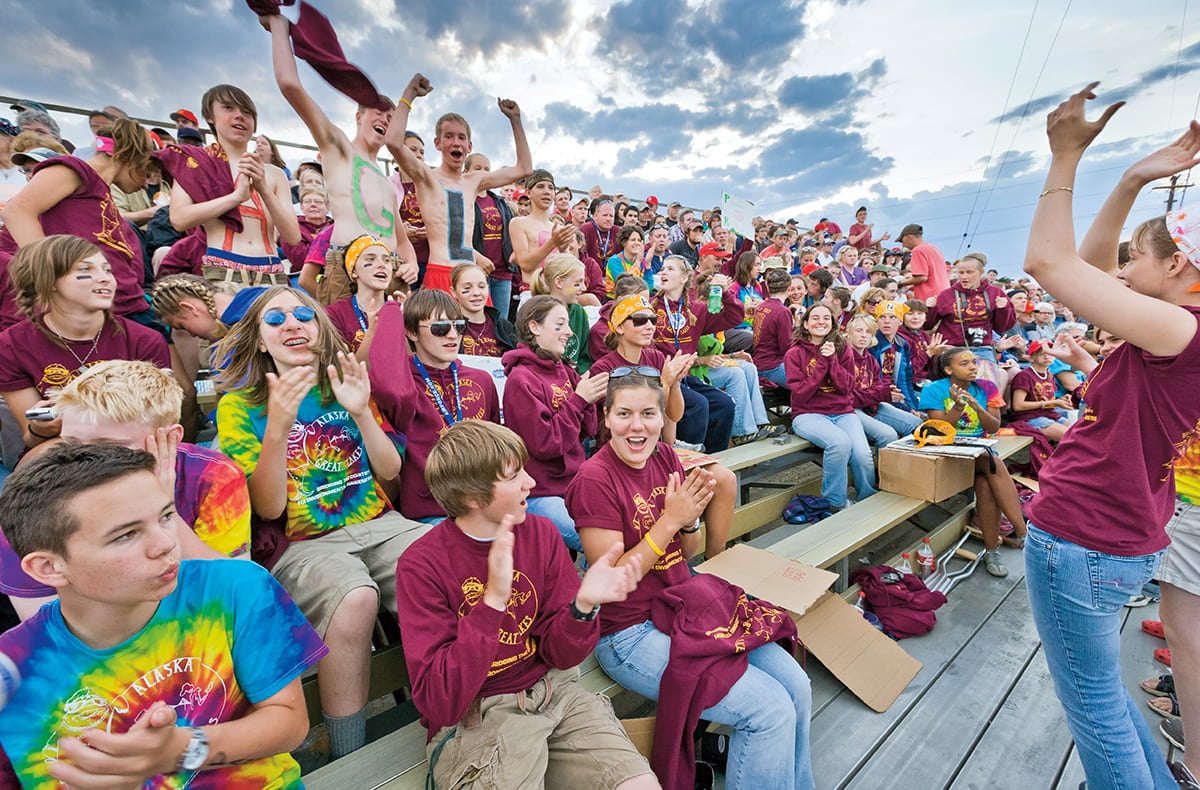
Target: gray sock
346, 733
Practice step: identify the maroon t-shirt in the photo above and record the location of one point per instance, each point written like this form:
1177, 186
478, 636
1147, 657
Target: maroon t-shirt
30, 358
607, 494
1037, 388
594, 278
600, 245
89, 213
772, 333
1109, 486
541, 406
493, 238
819, 384
348, 322
480, 339
457, 647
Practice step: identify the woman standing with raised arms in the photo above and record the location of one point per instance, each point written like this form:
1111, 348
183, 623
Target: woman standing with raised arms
1096, 530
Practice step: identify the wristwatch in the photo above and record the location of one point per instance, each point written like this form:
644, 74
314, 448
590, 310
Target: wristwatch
586, 617
195, 753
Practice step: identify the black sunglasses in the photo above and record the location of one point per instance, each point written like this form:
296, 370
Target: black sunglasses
640, 320
442, 328
641, 370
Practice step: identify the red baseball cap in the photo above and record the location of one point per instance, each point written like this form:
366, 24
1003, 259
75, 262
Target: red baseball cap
186, 115
712, 248
1036, 346
809, 268
651, 201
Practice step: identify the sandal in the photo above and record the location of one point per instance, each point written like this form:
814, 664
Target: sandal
1171, 713
1163, 655
1161, 686
1154, 628
1014, 542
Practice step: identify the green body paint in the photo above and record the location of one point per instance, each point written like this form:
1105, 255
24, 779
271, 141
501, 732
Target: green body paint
383, 230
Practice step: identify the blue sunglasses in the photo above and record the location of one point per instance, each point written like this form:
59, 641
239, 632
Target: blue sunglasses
276, 317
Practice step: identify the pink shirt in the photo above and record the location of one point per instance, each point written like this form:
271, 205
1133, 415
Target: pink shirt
927, 260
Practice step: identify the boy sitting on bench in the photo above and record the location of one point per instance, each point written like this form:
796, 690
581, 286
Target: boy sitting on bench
147, 669
495, 621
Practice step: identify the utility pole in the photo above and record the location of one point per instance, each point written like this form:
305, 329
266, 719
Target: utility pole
1174, 185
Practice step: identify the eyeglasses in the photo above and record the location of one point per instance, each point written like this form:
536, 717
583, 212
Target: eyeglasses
277, 317
873, 302
442, 328
640, 320
641, 370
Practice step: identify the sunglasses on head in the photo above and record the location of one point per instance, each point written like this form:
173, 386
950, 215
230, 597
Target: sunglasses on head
641, 370
277, 317
640, 320
442, 328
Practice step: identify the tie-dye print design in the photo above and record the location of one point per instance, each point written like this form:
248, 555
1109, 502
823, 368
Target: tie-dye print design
211, 496
330, 483
227, 637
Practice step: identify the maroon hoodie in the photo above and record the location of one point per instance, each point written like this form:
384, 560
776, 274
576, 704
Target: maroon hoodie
918, 342
968, 317
404, 399
819, 384
695, 321
542, 407
871, 387
772, 333
599, 331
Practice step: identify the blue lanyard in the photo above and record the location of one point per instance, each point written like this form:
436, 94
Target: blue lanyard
607, 241
675, 319
437, 398
358, 313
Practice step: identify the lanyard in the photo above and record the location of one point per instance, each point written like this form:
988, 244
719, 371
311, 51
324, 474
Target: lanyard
675, 318
437, 398
358, 313
607, 241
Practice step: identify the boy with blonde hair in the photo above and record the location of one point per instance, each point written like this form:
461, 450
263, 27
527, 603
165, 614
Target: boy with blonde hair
495, 621
136, 405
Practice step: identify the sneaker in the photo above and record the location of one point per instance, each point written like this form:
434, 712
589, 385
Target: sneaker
770, 431
994, 565
695, 448
1185, 778
1172, 730
746, 438
1138, 601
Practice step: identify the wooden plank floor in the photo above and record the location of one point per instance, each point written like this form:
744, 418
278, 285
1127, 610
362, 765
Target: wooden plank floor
981, 713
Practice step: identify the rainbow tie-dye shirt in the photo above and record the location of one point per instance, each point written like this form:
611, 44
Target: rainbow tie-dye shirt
226, 638
330, 483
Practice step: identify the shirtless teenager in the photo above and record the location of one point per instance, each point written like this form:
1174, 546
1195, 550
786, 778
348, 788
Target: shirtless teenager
536, 236
260, 192
446, 192
361, 198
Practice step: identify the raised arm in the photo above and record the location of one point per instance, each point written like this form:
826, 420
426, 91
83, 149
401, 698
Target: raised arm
406, 160
524, 164
287, 77
48, 187
1148, 322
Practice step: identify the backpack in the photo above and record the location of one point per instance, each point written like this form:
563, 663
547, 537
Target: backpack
902, 602
807, 509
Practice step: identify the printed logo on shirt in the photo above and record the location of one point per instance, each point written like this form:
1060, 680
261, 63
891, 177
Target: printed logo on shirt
645, 515
110, 225
559, 395
759, 623
326, 444
520, 613
56, 376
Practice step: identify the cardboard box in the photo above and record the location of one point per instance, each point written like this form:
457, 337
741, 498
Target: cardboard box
924, 475
871, 665
641, 733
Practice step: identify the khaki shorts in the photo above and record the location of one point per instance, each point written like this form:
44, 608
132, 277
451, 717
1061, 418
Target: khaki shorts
334, 284
1180, 564
556, 734
318, 572
243, 278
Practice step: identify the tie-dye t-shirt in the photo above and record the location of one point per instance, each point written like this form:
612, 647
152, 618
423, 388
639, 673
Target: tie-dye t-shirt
936, 395
330, 483
228, 637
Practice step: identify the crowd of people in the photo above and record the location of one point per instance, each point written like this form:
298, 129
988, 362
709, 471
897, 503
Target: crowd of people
365, 456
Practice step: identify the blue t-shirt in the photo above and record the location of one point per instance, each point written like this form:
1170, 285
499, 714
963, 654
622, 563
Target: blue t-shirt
936, 395
227, 637
1058, 366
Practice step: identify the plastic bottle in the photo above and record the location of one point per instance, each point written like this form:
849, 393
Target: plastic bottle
905, 565
859, 603
926, 560
714, 299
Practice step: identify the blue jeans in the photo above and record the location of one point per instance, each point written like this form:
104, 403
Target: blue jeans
707, 415
555, 509
844, 442
901, 420
1077, 597
878, 432
775, 375
739, 380
769, 707
501, 293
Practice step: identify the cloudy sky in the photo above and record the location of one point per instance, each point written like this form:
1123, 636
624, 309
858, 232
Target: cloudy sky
928, 111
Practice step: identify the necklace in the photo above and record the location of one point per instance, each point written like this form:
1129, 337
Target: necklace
82, 362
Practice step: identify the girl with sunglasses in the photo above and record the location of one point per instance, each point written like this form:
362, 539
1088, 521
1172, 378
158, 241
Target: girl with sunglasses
422, 388
1140, 417
634, 493
370, 266
66, 289
299, 419
550, 406
489, 334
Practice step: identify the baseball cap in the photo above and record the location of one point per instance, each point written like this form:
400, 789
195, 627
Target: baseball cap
675, 203
912, 229
8, 127
188, 133
1036, 346
186, 115
33, 156
652, 201
21, 105
780, 231
879, 268
712, 248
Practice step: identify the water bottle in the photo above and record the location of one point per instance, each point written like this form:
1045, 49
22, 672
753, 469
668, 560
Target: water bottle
926, 560
859, 603
10, 680
905, 566
714, 299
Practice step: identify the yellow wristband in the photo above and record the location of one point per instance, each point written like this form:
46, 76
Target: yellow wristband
406, 101
653, 546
